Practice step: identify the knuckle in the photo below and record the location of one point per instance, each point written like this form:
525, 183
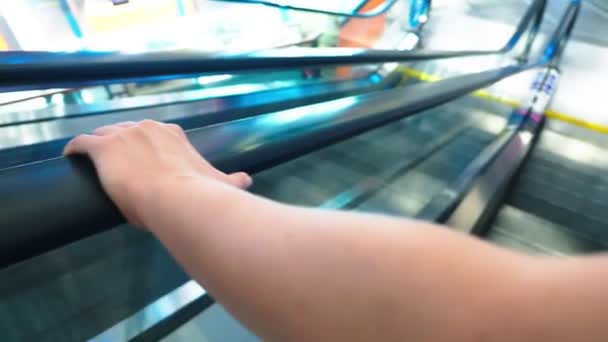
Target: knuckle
147, 123
113, 140
176, 128
81, 139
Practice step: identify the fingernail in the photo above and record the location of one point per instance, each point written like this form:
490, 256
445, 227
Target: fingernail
248, 181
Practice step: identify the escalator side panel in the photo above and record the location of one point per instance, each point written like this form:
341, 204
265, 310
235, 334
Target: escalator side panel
545, 236
72, 300
567, 189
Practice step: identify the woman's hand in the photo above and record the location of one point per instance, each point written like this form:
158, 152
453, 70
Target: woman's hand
135, 158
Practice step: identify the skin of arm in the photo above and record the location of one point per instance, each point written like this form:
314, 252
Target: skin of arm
299, 274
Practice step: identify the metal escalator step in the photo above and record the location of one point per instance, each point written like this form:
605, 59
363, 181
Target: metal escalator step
409, 193
405, 196
584, 226
593, 202
374, 151
572, 152
318, 176
543, 234
502, 238
563, 172
290, 189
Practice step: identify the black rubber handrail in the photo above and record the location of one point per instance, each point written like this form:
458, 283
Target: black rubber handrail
39, 70
11, 54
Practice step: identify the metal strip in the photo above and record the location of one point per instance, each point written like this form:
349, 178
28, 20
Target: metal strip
153, 314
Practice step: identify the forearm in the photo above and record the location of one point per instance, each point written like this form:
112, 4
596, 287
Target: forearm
292, 273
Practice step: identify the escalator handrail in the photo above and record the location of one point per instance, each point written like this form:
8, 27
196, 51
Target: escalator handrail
51, 203
443, 206
188, 115
39, 70
23, 54
560, 37
380, 10
531, 22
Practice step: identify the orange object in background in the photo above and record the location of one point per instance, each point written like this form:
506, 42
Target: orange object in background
361, 32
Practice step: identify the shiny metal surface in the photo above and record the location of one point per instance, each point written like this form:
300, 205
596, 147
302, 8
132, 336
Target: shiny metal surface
152, 314
214, 324
74, 293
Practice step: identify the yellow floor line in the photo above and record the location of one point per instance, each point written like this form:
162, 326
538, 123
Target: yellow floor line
577, 122
485, 95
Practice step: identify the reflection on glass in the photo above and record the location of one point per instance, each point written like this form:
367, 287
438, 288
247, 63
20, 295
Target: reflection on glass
338, 6
206, 80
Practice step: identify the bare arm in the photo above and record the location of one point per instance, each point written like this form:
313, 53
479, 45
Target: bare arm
292, 273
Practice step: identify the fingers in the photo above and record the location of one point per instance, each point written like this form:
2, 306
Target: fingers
176, 129
240, 180
111, 129
82, 144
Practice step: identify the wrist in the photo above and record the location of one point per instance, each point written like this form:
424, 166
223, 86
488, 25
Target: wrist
174, 201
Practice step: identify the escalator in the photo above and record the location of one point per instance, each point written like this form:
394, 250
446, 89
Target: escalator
557, 204
82, 274
124, 269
